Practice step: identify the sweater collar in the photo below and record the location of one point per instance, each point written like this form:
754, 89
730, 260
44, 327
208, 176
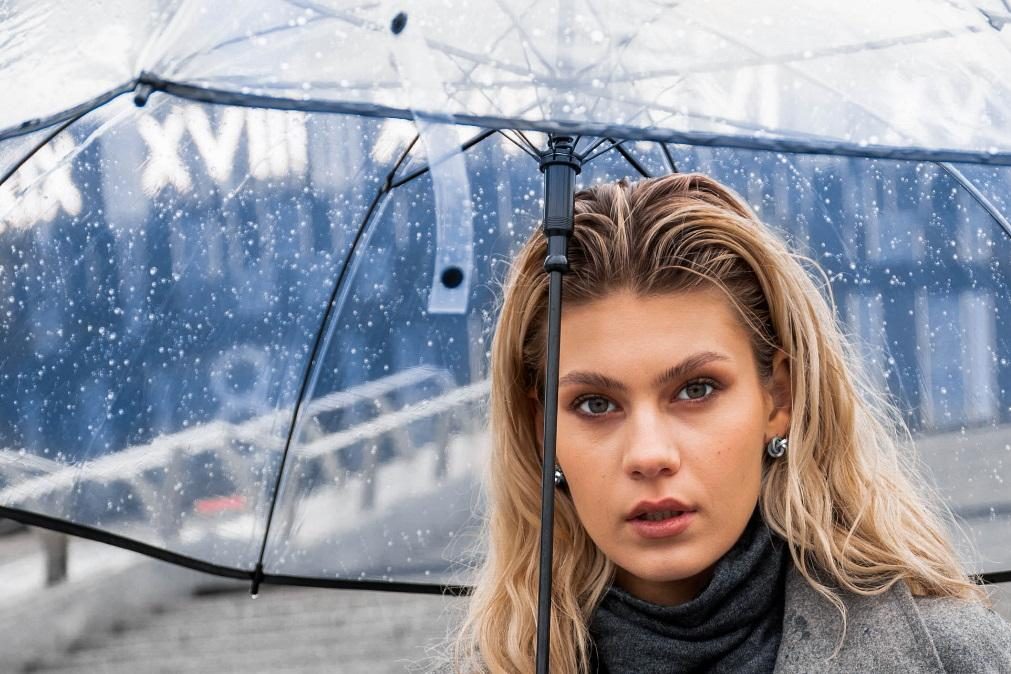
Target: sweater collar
734, 623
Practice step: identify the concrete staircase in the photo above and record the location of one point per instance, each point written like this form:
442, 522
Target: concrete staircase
282, 630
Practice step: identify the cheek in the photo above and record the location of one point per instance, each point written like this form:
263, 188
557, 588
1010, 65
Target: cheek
580, 452
742, 427
730, 458
723, 482
591, 512
588, 476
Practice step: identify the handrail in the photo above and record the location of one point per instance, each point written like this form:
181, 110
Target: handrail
217, 435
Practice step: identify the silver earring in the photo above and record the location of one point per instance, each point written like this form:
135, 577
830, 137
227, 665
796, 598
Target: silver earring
559, 477
776, 447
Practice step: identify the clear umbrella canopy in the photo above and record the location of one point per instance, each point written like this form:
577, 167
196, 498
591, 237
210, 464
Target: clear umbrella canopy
248, 323
857, 77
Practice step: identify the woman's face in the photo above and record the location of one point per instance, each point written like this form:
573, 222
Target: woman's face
661, 410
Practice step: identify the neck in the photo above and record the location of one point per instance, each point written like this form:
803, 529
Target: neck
664, 592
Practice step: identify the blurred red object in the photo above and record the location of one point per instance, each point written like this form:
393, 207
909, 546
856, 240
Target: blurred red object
219, 504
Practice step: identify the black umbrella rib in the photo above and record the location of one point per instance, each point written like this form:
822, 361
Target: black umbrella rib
631, 160
670, 158
593, 146
258, 574
68, 115
529, 143
587, 157
978, 196
518, 144
400, 162
425, 169
38, 146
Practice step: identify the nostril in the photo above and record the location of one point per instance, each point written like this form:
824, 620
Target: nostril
657, 466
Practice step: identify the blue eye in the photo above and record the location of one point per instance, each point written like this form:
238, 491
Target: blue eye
598, 406
696, 390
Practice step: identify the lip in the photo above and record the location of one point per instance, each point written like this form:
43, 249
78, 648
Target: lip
667, 528
645, 507
664, 528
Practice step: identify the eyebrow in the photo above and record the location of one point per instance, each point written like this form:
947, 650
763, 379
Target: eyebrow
689, 364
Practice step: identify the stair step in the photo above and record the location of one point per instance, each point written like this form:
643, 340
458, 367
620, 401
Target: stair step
284, 630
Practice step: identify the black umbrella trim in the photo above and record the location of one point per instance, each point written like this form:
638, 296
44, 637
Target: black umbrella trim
91, 533
147, 83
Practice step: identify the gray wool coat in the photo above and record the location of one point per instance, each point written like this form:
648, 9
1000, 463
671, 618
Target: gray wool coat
893, 632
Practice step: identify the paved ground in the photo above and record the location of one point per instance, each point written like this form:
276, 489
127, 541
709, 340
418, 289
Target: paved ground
283, 630
122, 612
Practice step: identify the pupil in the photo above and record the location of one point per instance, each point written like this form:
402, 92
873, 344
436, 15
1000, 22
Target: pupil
598, 405
696, 388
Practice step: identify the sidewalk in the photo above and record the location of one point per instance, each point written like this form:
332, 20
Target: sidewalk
120, 612
283, 630
22, 564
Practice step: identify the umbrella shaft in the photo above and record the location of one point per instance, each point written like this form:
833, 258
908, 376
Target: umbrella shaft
560, 165
548, 472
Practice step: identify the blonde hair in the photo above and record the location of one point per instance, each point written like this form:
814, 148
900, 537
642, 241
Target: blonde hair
843, 498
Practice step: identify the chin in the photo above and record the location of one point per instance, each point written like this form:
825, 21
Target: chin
667, 568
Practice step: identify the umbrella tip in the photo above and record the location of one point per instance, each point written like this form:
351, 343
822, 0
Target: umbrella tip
141, 94
254, 590
398, 23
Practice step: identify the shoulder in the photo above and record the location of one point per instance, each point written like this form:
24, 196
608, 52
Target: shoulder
890, 632
967, 636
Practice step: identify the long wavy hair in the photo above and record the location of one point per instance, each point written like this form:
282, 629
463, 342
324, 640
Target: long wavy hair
844, 497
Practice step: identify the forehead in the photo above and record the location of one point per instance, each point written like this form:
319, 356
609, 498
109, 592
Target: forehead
622, 330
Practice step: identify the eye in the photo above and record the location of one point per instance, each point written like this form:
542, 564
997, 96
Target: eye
696, 390
593, 406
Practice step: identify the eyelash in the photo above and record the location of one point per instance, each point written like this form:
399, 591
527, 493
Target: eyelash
691, 401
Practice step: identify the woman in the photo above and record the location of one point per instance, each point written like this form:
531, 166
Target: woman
732, 492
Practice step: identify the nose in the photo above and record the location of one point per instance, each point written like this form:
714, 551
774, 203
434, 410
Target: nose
651, 450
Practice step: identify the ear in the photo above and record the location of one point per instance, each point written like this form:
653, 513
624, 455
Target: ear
780, 399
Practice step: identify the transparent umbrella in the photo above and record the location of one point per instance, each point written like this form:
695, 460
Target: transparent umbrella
250, 255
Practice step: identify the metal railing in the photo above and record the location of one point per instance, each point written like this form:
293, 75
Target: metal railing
151, 473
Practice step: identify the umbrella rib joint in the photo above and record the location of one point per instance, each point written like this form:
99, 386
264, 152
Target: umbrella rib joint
145, 85
560, 165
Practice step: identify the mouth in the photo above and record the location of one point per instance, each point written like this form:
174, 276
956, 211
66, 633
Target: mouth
657, 511
662, 524
659, 516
